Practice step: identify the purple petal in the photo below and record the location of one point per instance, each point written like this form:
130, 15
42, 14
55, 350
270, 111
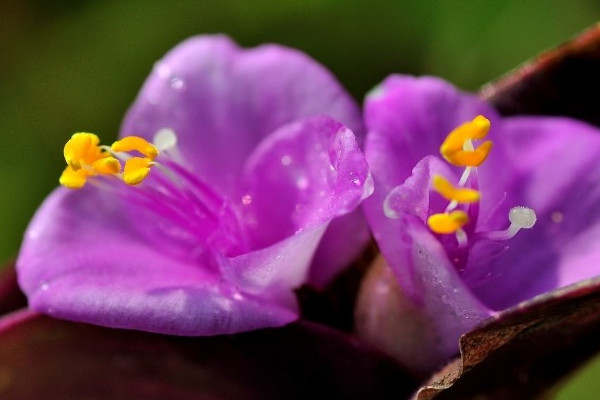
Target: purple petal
222, 101
300, 178
408, 118
438, 306
305, 174
343, 242
558, 177
83, 261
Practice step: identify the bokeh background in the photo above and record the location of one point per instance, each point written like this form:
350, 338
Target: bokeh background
68, 66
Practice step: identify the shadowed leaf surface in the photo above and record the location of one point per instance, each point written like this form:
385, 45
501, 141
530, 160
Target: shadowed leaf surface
11, 297
45, 358
563, 81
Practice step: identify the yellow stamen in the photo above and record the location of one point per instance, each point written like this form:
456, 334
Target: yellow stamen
478, 128
107, 165
74, 179
470, 158
82, 149
444, 223
449, 192
131, 143
457, 148
136, 170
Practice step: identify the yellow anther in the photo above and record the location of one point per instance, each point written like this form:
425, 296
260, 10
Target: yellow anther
74, 179
136, 170
131, 143
449, 192
478, 128
447, 222
470, 158
107, 165
82, 149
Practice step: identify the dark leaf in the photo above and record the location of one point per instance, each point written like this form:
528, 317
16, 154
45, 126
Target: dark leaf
564, 81
11, 297
525, 350
45, 358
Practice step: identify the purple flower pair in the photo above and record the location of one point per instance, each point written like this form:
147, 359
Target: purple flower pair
256, 189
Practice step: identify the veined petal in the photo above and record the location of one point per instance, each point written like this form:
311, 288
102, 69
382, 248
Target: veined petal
83, 261
222, 101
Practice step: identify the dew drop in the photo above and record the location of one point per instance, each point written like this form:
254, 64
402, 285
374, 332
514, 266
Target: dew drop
286, 160
163, 70
237, 296
177, 83
246, 199
302, 183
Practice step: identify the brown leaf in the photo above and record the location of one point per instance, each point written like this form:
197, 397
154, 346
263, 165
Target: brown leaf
524, 350
563, 82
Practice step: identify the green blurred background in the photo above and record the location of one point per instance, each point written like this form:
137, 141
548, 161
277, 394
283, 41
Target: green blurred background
68, 66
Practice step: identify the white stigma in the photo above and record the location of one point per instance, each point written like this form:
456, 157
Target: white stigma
520, 218
523, 217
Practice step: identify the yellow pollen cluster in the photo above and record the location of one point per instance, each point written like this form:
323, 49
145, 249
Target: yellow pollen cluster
86, 158
458, 150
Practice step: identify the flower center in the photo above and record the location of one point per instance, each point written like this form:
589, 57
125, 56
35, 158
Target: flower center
185, 208
458, 150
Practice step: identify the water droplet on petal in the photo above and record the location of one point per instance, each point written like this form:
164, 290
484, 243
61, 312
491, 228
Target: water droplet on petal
163, 70
302, 183
177, 83
286, 160
246, 199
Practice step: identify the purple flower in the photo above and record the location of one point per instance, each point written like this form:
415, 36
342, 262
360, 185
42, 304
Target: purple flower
251, 171
444, 229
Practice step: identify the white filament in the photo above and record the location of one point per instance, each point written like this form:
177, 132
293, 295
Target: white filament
461, 238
